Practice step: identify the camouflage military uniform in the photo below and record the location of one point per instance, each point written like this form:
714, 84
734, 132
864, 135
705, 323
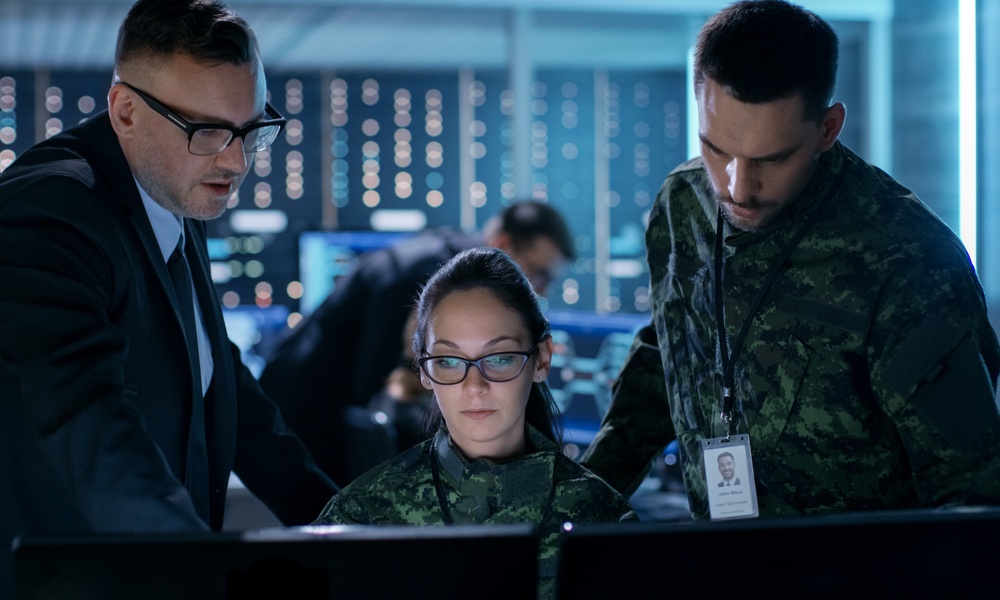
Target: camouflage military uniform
544, 487
867, 377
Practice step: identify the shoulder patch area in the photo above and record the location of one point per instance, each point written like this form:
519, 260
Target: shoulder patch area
950, 386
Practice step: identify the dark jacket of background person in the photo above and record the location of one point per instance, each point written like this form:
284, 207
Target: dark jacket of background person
94, 372
343, 352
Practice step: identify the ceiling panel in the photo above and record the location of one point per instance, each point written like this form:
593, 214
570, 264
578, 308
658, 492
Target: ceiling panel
400, 34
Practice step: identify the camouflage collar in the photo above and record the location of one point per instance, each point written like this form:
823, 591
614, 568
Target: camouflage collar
457, 467
484, 491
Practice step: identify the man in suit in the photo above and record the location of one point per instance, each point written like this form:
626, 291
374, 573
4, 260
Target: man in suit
123, 406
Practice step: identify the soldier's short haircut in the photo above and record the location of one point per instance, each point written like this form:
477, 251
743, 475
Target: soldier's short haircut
204, 30
490, 269
766, 50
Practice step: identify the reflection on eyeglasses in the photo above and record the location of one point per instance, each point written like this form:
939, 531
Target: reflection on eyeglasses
498, 367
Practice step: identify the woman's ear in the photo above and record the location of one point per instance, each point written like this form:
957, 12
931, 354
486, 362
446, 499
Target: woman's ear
543, 359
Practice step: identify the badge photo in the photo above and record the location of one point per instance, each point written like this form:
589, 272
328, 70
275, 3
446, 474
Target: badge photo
729, 477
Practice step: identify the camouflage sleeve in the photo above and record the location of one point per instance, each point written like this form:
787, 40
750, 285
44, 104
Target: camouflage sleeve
934, 364
366, 501
578, 497
638, 424
585, 498
343, 509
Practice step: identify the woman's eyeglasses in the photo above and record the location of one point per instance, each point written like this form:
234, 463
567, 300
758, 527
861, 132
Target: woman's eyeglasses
498, 367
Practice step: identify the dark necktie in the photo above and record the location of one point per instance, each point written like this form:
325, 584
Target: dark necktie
196, 477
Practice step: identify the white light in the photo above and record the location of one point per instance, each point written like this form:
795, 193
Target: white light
258, 221
968, 122
398, 220
221, 273
625, 269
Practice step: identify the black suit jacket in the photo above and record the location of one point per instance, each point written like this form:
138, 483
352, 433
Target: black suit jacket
95, 384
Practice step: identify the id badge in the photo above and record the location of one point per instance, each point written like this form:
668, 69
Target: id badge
729, 474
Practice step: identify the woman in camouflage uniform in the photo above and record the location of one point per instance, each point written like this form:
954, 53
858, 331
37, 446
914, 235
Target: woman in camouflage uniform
496, 455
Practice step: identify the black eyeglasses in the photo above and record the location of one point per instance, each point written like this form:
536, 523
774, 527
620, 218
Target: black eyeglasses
206, 139
498, 367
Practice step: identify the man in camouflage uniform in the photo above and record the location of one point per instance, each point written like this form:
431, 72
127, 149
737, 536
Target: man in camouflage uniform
867, 376
434, 484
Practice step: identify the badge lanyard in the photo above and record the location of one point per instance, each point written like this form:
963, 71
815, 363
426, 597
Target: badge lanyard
442, 502
729, 359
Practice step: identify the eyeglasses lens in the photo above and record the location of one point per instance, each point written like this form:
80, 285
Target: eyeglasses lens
206, 142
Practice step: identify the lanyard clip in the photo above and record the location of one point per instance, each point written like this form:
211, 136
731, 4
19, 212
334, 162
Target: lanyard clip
727, 411
727, 404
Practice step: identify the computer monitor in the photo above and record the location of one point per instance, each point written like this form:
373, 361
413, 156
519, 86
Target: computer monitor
308, 563
255, 330
904, 554
589, 350
325, 255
